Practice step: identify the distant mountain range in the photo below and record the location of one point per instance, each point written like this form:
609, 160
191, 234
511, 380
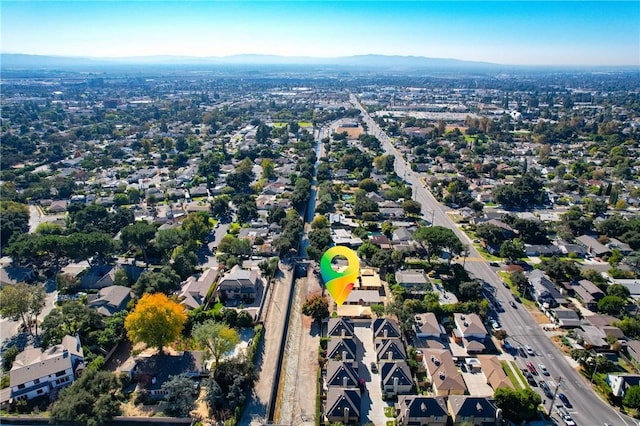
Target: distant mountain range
22, 61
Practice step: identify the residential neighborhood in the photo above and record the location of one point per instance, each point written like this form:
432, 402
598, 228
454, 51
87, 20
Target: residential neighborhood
161, 240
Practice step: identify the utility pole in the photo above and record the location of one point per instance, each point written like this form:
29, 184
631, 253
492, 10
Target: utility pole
554, 396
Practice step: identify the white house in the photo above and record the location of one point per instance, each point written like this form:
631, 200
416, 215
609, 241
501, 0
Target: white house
36, 373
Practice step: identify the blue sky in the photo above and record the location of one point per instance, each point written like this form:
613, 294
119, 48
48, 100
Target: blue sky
507, 32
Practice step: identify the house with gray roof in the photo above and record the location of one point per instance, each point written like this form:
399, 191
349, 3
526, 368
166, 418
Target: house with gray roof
465, 409
341, 348
593, 246
390, 350
363, 297
195, 289
564, 317
110, 300
418, 410
385, 328
588, 293
544, 291
340, 327
343, 405
341, 374
240, 284
591, 337
151, 372
36, 373
412, 279
396, 378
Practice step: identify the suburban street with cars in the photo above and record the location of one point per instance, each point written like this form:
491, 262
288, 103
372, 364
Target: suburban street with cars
587, 408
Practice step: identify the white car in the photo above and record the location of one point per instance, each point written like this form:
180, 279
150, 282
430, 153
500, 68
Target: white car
543, 369
529, 350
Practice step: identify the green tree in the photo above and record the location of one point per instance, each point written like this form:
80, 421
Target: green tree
23, 301
320, 221
362, 204
220, 207
166, 281
436, 238
92, 400
72, 318
319, 241
491, 234
368, 185
632, 397
15, 220
471, 290
367, 250
560, 270
180, 397
525, 192
612, 305
517, 405
377, 309
519, 280
630, 327
138, 235
268, 167
411, 207
316, 307
218, 338
512, 249
167, 240
633, 261
618, 290
197, 227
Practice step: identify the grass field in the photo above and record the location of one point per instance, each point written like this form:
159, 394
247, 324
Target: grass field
508, 369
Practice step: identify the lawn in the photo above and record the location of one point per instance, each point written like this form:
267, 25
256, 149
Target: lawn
305, 124
508, 368
484, 253
515, 368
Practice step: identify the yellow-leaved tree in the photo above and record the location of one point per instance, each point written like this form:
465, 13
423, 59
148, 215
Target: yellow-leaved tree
155, 321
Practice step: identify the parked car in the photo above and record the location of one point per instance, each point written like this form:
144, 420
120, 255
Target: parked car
495, 264
513, 304
516, 298
507, 346
529, 350
495, 325
522, 352
532, 368
545, 388
543, 369
374, 367
562, 397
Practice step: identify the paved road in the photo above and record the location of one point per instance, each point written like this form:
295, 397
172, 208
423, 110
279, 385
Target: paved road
588, 409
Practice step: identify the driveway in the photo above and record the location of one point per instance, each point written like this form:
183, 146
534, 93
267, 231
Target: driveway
372, 405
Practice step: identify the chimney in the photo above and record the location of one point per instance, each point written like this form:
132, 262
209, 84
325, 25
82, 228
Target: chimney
389, 356
342, 332
344, 381
395, 385
344, 355
346, 415
385, 333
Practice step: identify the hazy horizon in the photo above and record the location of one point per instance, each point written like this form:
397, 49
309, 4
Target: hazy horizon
508, 33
